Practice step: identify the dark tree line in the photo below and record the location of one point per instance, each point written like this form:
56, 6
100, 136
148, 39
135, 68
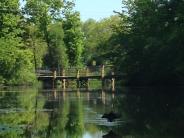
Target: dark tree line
152, 47
147, 44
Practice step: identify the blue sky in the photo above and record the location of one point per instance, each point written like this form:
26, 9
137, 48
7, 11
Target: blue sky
97, 9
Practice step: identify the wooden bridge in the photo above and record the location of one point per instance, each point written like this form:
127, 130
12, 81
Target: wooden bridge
81, 75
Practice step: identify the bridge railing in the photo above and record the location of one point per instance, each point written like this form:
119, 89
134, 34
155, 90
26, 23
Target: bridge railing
73, 71
44, 72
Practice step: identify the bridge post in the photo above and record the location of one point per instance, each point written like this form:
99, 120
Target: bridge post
87, 80
63, 72
54, 74
113, 82
102, 76
54, 78
87, 71
78, 76
103, 83
102, 71
63, 80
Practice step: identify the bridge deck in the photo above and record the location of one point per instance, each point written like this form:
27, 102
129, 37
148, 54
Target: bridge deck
80, 78
97, 72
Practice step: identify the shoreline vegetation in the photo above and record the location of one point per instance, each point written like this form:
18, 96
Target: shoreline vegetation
144, 41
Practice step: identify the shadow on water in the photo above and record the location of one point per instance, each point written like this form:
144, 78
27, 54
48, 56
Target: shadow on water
111, 134
145, 113
153, 112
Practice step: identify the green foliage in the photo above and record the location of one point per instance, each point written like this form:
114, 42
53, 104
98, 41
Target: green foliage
57, 56
75, 124
47, 16
16, 65
9, 20
15, 61
19, 113
42, 13
73, 35
42, 34
33, 40
150, 51
97, 36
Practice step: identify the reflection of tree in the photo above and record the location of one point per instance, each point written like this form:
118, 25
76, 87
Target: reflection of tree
75, 124
59, 121
19, 109
153, 113
41, 119
66, 120
23, 117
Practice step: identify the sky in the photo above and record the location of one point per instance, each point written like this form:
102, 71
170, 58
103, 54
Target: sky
97, 9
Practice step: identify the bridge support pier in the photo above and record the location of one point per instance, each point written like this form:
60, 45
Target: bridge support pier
78, 83
53, 83
64, 83
54, 79
103, 84
108, 82
113, 84
63, 80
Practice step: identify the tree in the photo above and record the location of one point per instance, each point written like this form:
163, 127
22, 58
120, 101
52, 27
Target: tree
57, 56
15, 61
43, 14
151, 50
97, 35
73, 35
34, 41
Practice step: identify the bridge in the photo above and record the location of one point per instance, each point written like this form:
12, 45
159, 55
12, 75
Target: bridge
80, 75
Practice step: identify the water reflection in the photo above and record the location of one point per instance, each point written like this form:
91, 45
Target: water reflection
145, 113
111, 134
52, 113
153, 112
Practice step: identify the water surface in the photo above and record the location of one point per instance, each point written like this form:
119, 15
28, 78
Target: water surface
38, 113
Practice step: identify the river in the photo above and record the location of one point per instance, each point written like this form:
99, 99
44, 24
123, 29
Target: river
142, 112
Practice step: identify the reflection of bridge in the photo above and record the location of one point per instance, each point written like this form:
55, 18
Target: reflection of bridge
81, 75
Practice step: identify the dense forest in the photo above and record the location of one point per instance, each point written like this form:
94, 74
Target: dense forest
144, 41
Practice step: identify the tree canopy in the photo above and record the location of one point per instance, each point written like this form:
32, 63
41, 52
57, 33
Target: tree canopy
36, 35
145, 40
